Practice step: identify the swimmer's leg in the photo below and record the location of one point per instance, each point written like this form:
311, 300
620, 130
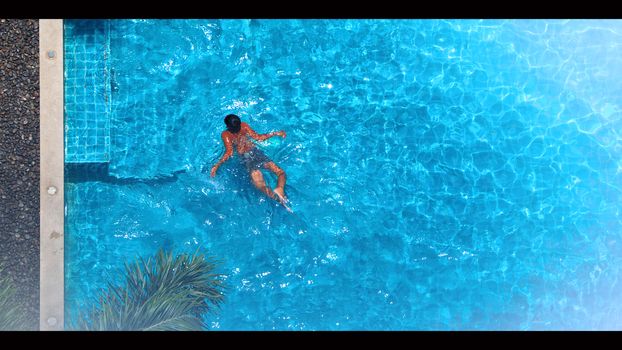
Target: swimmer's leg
282, 178
279, 190
258, 181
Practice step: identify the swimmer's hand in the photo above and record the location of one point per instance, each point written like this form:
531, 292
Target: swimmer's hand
213, 172
281, 133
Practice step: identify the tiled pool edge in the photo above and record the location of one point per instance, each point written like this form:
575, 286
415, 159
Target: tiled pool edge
52, 175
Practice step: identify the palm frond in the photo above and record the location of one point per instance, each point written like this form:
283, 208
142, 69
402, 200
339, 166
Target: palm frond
12, 310
181, 323
161, 293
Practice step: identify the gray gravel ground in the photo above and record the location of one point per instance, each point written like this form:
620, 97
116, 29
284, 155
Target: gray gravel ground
19, 158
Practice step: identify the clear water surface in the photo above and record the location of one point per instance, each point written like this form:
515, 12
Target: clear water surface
456, 174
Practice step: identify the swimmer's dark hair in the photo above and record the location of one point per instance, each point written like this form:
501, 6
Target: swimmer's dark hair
233, 123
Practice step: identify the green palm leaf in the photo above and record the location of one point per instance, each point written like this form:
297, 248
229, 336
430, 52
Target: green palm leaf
12, 315
160, 293
181, 323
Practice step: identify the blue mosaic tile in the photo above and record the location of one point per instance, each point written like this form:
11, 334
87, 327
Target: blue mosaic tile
87, 91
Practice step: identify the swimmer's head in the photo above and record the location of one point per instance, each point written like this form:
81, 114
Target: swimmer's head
233, 123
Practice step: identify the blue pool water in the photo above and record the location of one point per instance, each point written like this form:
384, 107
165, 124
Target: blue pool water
444, 175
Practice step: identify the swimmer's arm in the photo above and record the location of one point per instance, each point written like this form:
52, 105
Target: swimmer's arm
262, 137
228, 153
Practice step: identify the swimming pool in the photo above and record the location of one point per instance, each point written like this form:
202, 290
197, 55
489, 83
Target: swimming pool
444, 174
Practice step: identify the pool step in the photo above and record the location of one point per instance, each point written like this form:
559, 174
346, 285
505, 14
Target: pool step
87, 91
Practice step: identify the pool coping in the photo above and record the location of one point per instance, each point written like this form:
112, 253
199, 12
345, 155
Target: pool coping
51, 297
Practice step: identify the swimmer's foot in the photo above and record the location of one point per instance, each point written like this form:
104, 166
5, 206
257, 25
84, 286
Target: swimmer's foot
280, 195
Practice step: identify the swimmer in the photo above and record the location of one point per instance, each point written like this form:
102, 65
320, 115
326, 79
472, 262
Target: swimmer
238, 134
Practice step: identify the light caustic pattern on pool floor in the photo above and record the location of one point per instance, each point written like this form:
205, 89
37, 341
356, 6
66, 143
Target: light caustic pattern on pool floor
444, 174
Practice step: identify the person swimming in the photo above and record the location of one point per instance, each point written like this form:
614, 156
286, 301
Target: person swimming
238, 134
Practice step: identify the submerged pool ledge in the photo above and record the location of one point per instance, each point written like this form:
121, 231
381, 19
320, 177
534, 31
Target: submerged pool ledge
51, 184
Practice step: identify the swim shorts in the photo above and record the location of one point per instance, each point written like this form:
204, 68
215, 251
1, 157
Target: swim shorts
254, 159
